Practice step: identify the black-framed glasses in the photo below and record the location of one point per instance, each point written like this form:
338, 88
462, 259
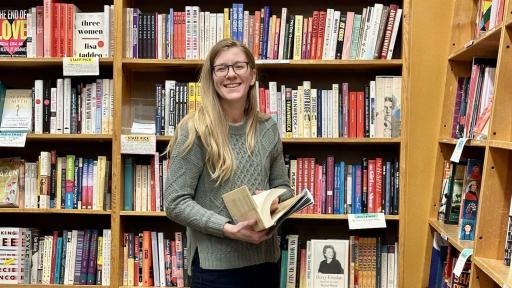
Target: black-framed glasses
222, 70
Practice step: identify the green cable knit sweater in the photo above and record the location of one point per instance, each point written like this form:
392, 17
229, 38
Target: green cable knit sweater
192, 198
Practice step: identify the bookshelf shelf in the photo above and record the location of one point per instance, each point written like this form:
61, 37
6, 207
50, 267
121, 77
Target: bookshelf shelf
486, 47
334, 217
143, 213
390, 141
470, 142
500, 144
69, 137
159, 64
53, 211
494, 268
450, 232
42, 62
52, 285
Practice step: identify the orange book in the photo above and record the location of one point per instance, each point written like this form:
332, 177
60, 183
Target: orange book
147, 262
257, 31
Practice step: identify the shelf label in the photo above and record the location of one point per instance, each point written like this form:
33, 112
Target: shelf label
366, 221
13, 139
457, 152
81, 66
138, 144
272, 61
464, 255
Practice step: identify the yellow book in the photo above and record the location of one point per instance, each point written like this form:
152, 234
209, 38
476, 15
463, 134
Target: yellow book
227, 30
191, 97
199, 100
243, 206
297, 46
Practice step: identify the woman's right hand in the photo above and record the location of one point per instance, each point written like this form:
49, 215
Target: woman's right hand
244, 231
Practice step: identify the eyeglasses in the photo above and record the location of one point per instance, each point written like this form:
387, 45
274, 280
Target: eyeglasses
222, 70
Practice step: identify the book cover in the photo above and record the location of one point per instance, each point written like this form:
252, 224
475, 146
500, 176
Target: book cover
9, 181
90, 35
13, 33
329, 262
17, 110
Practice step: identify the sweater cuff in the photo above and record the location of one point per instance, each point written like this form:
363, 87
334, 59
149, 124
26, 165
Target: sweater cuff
215, 225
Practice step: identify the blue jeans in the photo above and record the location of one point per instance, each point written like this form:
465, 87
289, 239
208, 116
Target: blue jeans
265, 275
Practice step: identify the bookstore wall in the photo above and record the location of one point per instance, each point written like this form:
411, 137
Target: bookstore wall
354, 94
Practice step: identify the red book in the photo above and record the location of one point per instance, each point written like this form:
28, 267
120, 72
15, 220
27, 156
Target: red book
54, 252
378, 185
70, 29
371, 186
318, 189
320, 38
261, 96
360, 114
309, 37
311, 181
314, 34
136, 261
256, 39
147, 260
352, 108
300, 177
330, 185
307, 182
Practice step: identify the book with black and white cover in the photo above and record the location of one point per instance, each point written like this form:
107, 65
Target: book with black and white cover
329, 263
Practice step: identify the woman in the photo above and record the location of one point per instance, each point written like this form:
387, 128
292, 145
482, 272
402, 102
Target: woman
330, 265
225, 144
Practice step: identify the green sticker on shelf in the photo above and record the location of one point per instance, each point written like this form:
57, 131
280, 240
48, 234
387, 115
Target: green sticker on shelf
366, 221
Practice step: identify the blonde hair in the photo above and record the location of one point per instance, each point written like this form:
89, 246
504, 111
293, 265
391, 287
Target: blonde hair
209, 123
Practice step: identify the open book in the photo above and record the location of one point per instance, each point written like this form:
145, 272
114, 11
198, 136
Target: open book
243, 206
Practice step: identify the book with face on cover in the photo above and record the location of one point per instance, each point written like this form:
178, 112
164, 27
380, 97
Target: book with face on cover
243, 206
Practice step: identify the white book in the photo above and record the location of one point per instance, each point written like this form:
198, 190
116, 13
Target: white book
213, 29
138, 188
295, 111
128, 27
105, 107
95, 185
347, 39
391, 267
282, 115
335, 110
70, 257
329, 19
394, 34
384, 269
107, 21
307, 108
156, 180
272, 88
245, 39
47, 264
379, 106
67, 106
38, 106
144, 188
202, 49
111, 105
284, 12
195, 32
291, 271
297, 45
206, 36
348, 188
293, 175
53, 110
330, 117
309, 276
90, 35
324, 113
111, 35
159, 32
364, 35
372, 109
188, 32
105, 273
373, 31
314, 113
34, 259
94, 108
300, 110
155, 256
334, 35
98, 104
161, 260
220, 26
30, 33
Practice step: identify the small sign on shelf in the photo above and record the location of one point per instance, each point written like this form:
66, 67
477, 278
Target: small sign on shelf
81, 66
457, 152
13, 138
138, 144
366, 221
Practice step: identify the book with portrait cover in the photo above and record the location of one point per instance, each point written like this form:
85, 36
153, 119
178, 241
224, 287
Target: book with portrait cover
243, 206
329, 263
13, 33
9, 181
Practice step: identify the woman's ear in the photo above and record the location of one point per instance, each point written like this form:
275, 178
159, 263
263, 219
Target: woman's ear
253, 77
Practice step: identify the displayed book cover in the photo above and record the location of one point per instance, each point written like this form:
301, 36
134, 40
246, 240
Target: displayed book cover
462, 281
469, 208
9, 181
11, 255
13, 33
329, 263
90, 35
17, 110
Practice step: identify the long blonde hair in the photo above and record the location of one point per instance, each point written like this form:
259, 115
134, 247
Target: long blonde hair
209, 123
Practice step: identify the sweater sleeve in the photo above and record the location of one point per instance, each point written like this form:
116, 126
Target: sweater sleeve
184, 172
278, 173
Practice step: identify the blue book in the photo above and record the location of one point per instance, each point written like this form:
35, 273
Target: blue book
58, 263
341, 192
266, 21
387, 209
336, 192
359, 188
128, 184
284, 268
240, 22
234, 21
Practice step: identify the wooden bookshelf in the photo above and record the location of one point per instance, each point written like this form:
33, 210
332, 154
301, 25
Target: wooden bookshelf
53, 211
469, 142
69, 137
363, 141
495, 269
450, 233
485, 46
500, 144
143, 213
43, 62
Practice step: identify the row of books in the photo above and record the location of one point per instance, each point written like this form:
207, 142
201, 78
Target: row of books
67, 182
489, 15
57, 30
83, 108
357, 262
301, 112
442, 265
326, 35
28, 256
474, 100
460, 192
338, 112
371, 186
144, 183
152, 259
508, 238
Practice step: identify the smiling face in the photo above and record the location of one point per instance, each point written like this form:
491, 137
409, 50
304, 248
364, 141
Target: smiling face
233, 86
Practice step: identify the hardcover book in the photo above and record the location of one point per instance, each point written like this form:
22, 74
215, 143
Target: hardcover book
243, 206
13, 33
329, 263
